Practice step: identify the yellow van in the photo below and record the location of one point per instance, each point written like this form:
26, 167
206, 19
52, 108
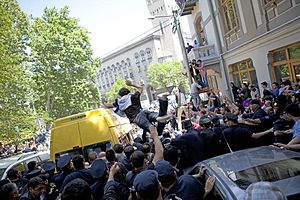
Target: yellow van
95, 130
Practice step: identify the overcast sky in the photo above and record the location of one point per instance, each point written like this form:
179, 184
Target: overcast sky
111, 22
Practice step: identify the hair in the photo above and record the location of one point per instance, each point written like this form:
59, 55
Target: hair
12, 174
77, 189
7, 189
137, 159
110, 155
118, 148
34, 182
171, 154
92, 156
146, 148
123, 92
293, 109
276, 84
128, 150
78, 162
264, 83
31, 165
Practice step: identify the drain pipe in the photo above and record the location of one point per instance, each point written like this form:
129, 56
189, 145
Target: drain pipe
223, 67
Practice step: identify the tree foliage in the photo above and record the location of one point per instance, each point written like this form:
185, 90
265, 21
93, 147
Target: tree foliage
62, 64
165, 74
113, 93
16, 116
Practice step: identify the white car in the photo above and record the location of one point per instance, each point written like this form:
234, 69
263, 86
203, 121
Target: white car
20, 162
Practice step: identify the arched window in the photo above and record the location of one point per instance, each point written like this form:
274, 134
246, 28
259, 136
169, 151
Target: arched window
128, 62
149, 55
137, 58
142, 54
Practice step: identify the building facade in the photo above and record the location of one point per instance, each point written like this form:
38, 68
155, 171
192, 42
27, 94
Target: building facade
132, 61
246, 41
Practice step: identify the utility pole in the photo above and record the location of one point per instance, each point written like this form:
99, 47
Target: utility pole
177, 27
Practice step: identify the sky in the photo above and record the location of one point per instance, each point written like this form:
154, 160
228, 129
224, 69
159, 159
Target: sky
112, 23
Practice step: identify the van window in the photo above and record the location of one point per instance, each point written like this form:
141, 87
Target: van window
102, 146
71, 153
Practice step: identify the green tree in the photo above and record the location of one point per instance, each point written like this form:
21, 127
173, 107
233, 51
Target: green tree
16, 116
113, 93
62, 64
165, 74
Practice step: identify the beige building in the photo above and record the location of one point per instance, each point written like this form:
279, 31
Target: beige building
245, 41
132, 60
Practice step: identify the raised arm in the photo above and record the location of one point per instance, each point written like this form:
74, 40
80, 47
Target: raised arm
137, 86
159, 150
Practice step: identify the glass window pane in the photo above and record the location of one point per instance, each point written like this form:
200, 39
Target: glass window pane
294, 52
244, 77
279, 55
236, 79
297, 72
243, 65
250, 64
253, 77
282, 73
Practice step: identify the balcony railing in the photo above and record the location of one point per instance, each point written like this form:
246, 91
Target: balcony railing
186, 6
203, 53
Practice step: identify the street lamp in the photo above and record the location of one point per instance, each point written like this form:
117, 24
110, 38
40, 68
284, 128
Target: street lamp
177, 28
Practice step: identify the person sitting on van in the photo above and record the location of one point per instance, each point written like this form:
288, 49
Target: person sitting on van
130, 104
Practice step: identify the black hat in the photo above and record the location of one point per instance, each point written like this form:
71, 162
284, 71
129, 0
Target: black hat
165, 172
254, 101
186, 124
48, 166
205, 121
33, 173
63, 161
215, 119
146, 183
231, 117
98, 168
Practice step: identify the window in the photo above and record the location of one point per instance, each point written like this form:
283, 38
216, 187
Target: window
136, 56
230, 16
149, 55
142, 53
243, 72
286, 63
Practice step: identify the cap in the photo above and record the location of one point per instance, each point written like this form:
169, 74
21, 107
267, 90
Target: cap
264, 190
146, 183
48, 166
98, 168
165, 172
205, 121
63, 161
33, 173
254, 101
215, 119
231, 117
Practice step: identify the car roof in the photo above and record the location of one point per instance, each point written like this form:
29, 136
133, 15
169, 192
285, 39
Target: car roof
237, 161
35, 154
244, 159
5, 162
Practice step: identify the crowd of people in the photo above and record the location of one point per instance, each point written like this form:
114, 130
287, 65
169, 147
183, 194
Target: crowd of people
157, 165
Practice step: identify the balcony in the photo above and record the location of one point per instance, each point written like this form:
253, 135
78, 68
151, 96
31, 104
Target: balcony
206, 52
186, 6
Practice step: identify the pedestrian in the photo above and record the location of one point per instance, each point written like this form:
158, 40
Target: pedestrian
79, 172
9, 191
36, 187
77, 189
64, 164
99, 172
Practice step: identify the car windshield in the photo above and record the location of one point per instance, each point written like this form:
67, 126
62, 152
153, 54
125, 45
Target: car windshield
271, 172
